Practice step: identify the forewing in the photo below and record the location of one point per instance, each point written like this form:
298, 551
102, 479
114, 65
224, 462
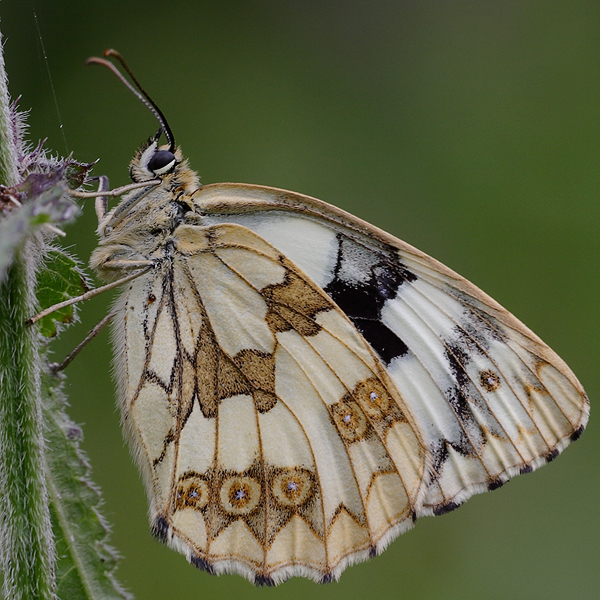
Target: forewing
273, 441
489, 397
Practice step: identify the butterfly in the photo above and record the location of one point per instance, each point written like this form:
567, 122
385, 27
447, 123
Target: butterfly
299, 386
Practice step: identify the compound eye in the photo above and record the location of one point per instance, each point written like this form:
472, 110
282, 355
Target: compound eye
161, 162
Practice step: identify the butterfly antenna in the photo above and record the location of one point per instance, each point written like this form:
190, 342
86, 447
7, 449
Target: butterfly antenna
139, 92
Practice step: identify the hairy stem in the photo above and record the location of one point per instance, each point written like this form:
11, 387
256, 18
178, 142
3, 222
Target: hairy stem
26, 542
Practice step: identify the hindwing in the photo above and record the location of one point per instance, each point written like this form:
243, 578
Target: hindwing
272, 438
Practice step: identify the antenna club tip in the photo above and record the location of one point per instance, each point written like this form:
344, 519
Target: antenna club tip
139, 92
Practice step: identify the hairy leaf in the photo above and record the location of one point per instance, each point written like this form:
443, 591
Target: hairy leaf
85, 562
59, 280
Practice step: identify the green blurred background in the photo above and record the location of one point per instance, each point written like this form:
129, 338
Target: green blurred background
469, 129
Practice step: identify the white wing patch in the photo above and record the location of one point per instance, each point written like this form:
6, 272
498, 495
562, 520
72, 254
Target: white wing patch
237, 312
284, 442
197, 443
239, 442
312, 248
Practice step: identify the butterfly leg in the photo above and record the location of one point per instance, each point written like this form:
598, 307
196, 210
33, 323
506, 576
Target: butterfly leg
117, 191
95, 292
56, 367
101, 204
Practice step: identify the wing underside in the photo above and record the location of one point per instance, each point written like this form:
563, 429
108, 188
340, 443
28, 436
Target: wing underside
272, 440
299, 387
489, 397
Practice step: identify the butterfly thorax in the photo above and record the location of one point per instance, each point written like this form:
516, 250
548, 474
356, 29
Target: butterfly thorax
138, 227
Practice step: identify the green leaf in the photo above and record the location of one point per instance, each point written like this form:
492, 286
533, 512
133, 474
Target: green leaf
85, 562
60, 279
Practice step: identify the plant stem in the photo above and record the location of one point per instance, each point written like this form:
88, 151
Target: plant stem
26, 542
9, 172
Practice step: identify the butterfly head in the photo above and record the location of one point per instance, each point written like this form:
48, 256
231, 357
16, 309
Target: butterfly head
154, 161
151, 161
